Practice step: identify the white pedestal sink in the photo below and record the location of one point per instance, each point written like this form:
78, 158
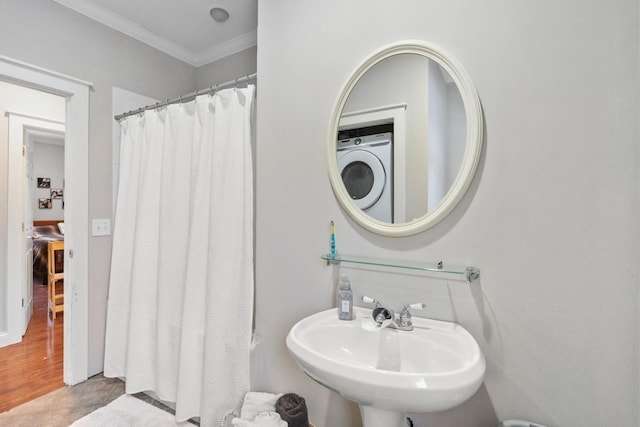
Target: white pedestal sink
436, 366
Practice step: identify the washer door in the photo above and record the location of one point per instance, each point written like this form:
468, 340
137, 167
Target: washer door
363, 176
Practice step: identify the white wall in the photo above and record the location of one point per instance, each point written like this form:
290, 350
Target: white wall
437, 136
48, 162
456, 133
551, 218
223, 70
447, 133
48, 35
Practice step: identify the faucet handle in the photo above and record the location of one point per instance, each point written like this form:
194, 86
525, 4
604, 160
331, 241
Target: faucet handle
415, 306
405, 314
370, 300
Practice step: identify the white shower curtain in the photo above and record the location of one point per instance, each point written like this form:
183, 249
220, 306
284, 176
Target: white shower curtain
181, 287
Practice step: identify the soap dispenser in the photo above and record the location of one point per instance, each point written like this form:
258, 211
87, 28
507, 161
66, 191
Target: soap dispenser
345, 299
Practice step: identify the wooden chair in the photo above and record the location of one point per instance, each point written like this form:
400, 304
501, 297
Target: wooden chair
56, 301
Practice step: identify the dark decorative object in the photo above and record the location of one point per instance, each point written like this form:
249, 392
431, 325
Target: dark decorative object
44, 182
45, 203
293, 409
57, 193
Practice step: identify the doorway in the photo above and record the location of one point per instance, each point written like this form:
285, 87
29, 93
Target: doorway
35, 147
76, 94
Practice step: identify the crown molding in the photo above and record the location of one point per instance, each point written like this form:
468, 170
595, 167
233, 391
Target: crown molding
227, 48
136, 31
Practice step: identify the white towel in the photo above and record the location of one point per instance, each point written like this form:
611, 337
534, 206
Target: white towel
127, 411
256, 402
263, 419
270, 419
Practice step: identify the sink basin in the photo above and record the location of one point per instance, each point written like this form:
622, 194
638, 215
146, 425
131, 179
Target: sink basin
434, 367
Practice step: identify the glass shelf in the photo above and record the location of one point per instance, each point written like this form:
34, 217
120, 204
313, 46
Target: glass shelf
469, 273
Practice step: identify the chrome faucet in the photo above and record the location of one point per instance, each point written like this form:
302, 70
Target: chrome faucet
405, 315
386, 318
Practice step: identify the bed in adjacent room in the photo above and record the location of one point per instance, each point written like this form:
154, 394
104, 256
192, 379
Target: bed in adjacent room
45, 232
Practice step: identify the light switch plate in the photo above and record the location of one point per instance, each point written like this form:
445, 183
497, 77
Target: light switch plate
101, 227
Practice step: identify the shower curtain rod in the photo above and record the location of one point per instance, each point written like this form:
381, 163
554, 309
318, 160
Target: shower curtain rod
189, 96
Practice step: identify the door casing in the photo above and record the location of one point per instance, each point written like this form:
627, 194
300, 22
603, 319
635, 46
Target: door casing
76, 92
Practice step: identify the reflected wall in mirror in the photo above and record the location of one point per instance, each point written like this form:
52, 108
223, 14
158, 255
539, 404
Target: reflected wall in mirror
405, 139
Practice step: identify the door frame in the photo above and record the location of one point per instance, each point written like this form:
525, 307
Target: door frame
395, 114
20, 126
76, 92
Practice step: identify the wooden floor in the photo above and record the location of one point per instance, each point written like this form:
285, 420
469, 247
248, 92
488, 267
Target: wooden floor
33, 367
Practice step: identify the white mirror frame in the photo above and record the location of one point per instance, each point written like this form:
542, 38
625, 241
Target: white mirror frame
473, 147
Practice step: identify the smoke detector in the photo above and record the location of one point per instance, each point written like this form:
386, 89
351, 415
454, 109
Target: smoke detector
219, 14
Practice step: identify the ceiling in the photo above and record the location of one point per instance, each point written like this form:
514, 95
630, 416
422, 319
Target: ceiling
46, 136
180, 28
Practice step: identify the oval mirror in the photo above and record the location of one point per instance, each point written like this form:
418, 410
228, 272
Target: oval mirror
405, 139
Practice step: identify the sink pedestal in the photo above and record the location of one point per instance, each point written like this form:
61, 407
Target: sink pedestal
375, 417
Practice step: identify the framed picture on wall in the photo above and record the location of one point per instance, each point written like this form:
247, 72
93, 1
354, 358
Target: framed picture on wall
56, 193
44, 182
44, 203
